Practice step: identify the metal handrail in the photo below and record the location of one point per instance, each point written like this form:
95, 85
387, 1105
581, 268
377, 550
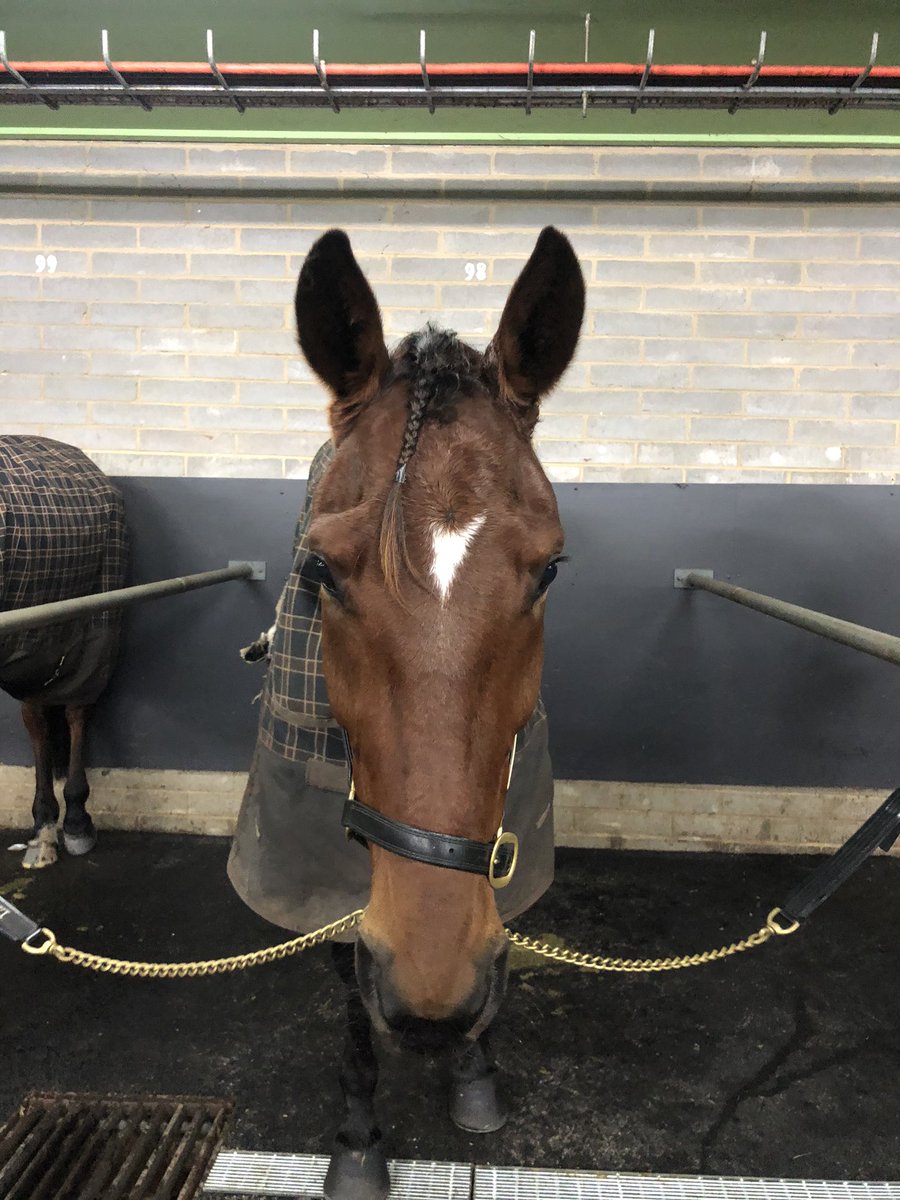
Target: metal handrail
18, 619
858, 637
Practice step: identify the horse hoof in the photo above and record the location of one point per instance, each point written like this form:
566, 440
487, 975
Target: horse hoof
475, 1106
357, 1175
41, 851
79, 843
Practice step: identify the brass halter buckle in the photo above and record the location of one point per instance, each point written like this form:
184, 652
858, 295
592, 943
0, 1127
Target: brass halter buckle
494, 879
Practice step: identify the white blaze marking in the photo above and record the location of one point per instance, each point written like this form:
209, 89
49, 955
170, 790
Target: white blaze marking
449, 550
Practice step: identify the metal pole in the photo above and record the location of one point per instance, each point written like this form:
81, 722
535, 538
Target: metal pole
18, 619
857, 637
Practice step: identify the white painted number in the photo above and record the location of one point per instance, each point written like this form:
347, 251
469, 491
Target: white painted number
476, 270
44, 262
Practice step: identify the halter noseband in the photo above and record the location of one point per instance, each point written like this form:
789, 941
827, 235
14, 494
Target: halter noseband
497, 859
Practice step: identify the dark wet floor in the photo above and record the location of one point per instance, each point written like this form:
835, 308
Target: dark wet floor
784, 1061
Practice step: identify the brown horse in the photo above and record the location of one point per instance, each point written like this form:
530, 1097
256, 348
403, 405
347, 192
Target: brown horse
436, 535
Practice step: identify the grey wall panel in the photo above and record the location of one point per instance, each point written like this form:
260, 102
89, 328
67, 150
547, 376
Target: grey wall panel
642, 682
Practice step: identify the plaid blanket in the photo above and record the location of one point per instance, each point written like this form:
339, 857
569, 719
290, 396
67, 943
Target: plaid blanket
295, 719
290, 861
62, 534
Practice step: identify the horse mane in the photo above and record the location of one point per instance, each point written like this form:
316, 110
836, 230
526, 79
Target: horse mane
437, 368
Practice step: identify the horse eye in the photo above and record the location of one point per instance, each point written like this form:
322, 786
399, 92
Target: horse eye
548, 576
320, 572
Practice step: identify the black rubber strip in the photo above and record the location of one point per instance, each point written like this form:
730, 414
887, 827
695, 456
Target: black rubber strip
14, 924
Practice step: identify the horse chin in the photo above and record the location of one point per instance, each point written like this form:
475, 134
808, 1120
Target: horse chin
420, 1035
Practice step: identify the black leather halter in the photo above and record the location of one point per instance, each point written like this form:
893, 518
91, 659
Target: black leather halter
497, 859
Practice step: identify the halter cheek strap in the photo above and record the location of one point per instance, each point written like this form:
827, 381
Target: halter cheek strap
497, 859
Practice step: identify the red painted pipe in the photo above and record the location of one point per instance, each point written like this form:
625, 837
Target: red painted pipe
460, 69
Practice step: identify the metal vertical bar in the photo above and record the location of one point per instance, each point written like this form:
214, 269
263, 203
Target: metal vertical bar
214, 67
425, 80
860, 79
29, 87
754, 74
530, 86
587, 53
322, 73
648, 67
117, 75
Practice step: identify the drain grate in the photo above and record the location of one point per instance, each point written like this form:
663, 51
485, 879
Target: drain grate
259, 1175
71, 1146
240, 1173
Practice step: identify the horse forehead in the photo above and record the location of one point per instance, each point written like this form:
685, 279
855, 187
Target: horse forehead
471, 493
449, 547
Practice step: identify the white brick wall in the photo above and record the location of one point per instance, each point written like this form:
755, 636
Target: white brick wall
725, 341
590, 814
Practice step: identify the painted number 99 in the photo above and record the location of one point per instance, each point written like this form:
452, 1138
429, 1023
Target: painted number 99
475, 270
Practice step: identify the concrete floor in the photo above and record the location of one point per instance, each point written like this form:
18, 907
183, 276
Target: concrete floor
780, 1062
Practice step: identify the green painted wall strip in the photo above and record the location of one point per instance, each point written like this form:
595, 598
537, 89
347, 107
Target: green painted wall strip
704, 31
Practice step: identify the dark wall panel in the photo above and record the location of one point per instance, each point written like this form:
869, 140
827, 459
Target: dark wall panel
182, 697
643, 682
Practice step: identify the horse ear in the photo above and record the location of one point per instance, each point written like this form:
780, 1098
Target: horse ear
339, 327
539, 328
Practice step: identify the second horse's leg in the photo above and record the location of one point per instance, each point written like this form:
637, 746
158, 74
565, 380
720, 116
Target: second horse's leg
358, 1168
41, 851
78, 828
474, 1103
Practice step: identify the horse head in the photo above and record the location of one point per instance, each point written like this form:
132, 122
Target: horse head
435, 536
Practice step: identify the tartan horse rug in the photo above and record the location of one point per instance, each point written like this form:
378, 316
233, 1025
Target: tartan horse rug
62, 534
291, 861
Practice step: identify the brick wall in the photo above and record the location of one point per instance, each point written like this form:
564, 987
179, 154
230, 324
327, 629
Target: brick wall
742, 321
742, 326
589, 814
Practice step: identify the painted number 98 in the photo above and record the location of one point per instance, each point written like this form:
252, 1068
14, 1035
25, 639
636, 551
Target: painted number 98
475, 270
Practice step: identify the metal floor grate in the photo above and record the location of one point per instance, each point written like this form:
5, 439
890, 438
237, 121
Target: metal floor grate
244, 1174
516, 1183
70, 1146
258, 1175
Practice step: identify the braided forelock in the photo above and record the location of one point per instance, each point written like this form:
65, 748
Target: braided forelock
437, 365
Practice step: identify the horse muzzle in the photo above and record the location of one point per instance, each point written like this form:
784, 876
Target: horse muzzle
426, 1022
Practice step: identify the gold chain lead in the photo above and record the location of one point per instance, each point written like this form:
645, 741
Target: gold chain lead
191, 970
240, 962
